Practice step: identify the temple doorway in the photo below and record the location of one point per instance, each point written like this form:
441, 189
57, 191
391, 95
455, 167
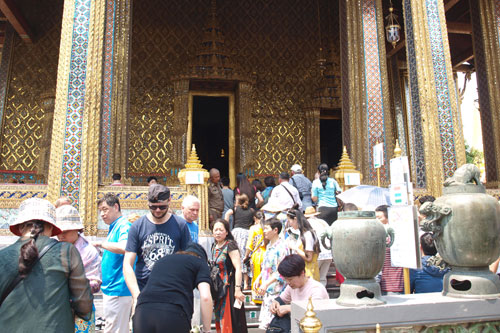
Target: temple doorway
210, 131
330, 129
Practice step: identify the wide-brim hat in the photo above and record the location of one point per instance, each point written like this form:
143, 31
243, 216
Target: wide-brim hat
35, 209
272, 207
68, 218
310, 211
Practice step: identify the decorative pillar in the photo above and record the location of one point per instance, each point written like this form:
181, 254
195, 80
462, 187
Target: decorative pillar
313, 156
398, 103
74, 159
437, 146
115, 99
485, 16
5, 64
365, 88
244, 121
180, 122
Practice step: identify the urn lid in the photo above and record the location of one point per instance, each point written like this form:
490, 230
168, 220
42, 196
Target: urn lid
357, 214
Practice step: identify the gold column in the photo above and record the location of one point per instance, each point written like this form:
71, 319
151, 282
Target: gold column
181, 142
244, 121
423, 56
485, 15
313, 155
84, 193
358, 105
121, 78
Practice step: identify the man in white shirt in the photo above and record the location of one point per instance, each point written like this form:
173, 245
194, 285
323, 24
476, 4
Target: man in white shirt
285, 194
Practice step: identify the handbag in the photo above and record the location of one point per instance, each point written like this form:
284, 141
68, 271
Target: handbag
217, 286
280, 324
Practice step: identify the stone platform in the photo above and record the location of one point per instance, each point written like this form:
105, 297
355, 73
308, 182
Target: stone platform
430, 312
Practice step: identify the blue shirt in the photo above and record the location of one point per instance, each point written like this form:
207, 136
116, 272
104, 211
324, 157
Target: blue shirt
113, 281
193, 230
326, 196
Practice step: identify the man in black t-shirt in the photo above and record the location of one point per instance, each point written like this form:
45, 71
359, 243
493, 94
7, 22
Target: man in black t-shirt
152, 237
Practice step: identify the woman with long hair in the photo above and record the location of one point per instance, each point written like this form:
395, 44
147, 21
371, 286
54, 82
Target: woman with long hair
243, 220
256, 249
51, 284
324, 194
243, 186
226, 255
303, 241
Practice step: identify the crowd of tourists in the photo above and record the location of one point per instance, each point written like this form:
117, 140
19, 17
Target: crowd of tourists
152, 268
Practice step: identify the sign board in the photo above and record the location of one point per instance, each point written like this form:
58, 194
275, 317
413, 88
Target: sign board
352, 178
398, 194
405, 251
400, 171
378, 155
194, 177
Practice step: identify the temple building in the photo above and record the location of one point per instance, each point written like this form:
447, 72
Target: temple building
92, 88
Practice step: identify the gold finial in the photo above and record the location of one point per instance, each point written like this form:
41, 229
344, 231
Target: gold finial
193, 163
345, 166
310, 323
397, 150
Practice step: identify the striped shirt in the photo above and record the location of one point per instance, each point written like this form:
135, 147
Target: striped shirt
392, 277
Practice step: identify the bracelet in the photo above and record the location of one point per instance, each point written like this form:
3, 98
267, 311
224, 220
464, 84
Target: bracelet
237, 287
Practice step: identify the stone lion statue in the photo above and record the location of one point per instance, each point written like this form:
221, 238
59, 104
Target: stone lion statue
466, 174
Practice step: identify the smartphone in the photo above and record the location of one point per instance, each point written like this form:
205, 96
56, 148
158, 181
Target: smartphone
237, 304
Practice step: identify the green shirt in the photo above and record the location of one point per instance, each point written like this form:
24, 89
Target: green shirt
46, 299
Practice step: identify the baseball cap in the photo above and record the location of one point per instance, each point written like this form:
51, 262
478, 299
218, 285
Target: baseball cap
158, 192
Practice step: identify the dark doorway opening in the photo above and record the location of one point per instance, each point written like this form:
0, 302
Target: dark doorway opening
210, 132
330, 129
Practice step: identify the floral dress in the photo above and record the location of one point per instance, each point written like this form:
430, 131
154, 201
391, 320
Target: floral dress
227, 317
269, 269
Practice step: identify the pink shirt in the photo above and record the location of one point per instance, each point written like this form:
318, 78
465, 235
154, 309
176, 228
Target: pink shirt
310, 288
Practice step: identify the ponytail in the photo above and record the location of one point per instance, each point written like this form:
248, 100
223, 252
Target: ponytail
29, 251
323, 174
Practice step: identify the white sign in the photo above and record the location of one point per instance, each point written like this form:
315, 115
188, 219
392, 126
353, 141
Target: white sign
405, 251
378, 155
194, 177
352, 178
400, 171
398, 194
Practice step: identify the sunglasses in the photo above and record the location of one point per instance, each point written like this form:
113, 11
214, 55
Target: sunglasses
162, 207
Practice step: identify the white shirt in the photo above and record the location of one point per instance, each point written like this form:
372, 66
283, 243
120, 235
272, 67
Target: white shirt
282, 198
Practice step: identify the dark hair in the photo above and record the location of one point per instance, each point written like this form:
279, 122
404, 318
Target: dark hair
304, 226
196, 250
258, 184
383, 209
225, 181
226, 226
350, 207
243, 186
270, 181
242, 200
110, 199
426, 198
273, 222
427, 243
292, 265
323, 174
150, 178
117, 176
29, 251
284, 176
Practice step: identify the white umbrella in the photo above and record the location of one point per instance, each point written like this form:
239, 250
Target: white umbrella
366, 197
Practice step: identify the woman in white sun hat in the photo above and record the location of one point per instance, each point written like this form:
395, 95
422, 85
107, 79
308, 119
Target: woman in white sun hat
43, 282
68, 220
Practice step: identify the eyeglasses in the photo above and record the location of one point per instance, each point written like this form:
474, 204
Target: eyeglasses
162, 207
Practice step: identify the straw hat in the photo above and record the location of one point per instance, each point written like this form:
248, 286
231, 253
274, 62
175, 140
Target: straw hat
35, 209
310, 211
68, 218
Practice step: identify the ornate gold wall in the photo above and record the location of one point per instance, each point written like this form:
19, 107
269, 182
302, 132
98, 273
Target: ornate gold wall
278, 41
33, 73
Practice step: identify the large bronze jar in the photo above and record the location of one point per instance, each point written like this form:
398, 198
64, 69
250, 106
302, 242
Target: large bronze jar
358, 243
465, 223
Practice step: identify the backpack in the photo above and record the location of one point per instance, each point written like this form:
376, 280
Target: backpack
217, 287
301, 196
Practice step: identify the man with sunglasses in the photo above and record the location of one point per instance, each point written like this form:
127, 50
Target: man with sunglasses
151, 237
